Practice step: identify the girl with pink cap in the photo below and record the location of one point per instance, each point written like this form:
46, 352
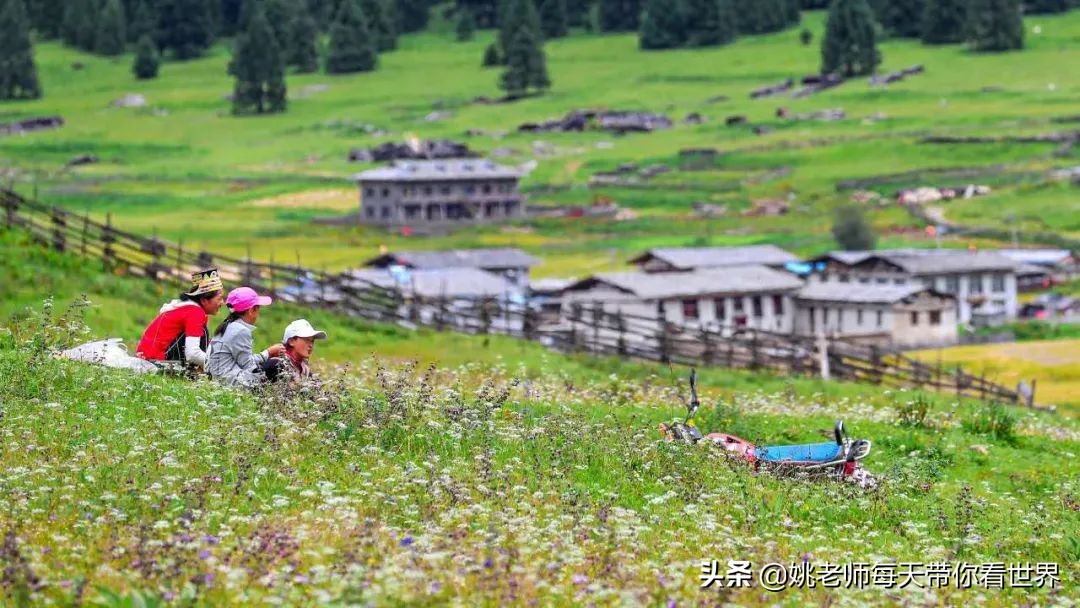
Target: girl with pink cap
230, 359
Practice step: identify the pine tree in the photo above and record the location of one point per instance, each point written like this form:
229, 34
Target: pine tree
620, 15
230, 16
578, 12
901, 18
553, 18
485, 12
185, 27
18, 74
662, 26
710, 22
412, 15
851, 230
466, 25
491, 56
526, 66
147, 61
995, 25
352, 46
302, 42
943, 21
79, 27
763, 16
517, 14
380, 23
111, 38
849, 47
46, 17
258, 68
1036, 7
280, 14
143, 21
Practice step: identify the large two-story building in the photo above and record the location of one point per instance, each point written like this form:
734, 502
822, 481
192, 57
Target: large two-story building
439, 193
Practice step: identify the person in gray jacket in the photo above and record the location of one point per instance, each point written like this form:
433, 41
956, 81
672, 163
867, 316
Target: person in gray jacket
230, 359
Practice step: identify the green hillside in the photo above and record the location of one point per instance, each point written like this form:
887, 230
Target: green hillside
185, 167
502, 475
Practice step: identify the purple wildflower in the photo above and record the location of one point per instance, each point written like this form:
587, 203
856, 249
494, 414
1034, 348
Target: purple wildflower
408, 540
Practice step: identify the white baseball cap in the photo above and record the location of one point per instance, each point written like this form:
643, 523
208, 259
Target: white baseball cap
300, 328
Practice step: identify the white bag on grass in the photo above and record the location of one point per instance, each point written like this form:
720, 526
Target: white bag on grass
109, 353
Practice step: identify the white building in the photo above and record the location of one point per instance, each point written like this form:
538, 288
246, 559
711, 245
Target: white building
983, 282
695, 258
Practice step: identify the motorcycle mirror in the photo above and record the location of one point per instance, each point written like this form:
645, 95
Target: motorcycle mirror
838, 431
695, 403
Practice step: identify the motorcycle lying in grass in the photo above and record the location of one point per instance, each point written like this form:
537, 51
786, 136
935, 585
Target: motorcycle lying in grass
838, 459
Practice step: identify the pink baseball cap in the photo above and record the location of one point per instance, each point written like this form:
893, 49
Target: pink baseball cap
243, 298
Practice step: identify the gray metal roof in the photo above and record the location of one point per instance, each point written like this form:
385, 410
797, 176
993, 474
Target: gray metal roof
703, 282
550, 285
439, 170
687, 258
1039, 257
438, 283
928, 261
494, 258
859, 293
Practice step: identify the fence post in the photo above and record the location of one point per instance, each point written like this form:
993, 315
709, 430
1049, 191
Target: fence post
59, 222
154, 246
663, 343
875, 361
1031, 397
620, 326
823, 355
755, 362
708, 354
11, 207
85, 230
108, 254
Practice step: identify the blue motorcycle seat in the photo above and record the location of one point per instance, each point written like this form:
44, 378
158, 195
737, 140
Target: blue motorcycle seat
805, 453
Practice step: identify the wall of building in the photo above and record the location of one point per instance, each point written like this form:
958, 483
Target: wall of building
388, 202
766, 311
843, 319
915, 326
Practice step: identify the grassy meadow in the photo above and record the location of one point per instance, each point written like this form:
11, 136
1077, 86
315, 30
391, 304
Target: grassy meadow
186, 168
498, 474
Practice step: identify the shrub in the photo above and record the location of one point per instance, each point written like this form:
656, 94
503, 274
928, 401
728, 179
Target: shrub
995, 421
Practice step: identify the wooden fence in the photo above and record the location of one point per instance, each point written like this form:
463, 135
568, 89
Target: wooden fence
582, 329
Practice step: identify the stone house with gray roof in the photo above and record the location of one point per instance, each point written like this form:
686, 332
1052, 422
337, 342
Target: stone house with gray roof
887, 315
741, 296
669, 259
419, 193
983, 282
510, 263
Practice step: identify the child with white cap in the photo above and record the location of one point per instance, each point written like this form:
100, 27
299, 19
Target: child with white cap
299, 341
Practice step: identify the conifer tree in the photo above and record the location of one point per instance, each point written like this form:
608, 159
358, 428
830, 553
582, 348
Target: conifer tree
901, 18
763, 16
18, 73
352, 46
79, 26
517, 14
710, 22
280, 14
1036, 7
526, 66
46, 17
142, 21
147, 60
662, 26
257, 67
484, 12
185, 27
466, 25
381, 24
850, 45
995, 25
578, 12
111, 38
620, 15
553, 18
943, 21
412, 15
302, 41
491, 56
230, 16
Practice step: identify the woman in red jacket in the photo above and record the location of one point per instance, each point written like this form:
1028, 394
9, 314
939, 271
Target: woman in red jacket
179, 332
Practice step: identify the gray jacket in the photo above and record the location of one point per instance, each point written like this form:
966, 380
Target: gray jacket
229, 358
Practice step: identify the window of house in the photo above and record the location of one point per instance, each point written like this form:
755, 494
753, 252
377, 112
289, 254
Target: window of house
385, 192
487, 188
385, 212
935, 317
998, 283
952, 284
370, 211
660, 309
738, 305
721, 309
844, 278
778, 305
865, 280
899, 281
880, 319
369, 192
427, 190
882, 280
756, 302
975, 284
858, 317
470, 189
445, 189
914, 318
690, 309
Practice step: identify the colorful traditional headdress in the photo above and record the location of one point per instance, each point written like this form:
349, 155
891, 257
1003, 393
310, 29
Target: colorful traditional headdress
205, 281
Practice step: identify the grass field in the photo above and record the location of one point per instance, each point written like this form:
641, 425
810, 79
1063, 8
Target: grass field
186, 168
502, 475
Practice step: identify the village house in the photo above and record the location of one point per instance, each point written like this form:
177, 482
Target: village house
692, 258
741, 296
1042, 268
439, 193
984, 282
887, 315
511, 264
